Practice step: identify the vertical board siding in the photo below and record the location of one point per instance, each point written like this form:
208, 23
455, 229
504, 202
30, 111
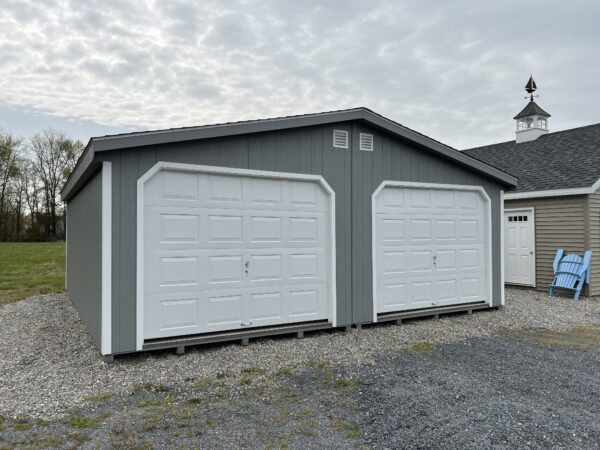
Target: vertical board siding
352, 173
84, 255
559, 223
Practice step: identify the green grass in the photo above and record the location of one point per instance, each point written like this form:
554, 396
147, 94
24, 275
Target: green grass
31, 268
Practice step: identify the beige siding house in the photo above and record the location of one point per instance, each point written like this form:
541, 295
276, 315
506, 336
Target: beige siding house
557, 201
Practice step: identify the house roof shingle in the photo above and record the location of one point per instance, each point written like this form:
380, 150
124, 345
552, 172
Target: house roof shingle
560, 160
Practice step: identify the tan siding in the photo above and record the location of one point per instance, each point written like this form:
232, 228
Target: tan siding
559, 223
594, 241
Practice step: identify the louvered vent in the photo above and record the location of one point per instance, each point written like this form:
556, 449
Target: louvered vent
340, 139
366, 142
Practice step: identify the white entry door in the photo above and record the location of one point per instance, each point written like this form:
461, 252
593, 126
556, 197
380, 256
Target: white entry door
431, 247
225, 251
519, 251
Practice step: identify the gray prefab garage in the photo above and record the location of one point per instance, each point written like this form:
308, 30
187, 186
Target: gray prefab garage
231, 231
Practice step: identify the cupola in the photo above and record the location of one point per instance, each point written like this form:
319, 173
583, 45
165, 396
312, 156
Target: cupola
532, 121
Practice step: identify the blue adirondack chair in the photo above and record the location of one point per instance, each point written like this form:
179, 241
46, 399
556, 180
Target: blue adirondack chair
571, 272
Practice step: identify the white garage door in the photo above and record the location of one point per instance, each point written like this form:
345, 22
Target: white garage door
431, 247
222, 252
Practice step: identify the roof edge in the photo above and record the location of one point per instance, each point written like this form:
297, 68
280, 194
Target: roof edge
553, 192
139, 139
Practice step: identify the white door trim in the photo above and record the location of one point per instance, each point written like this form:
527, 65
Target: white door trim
227, 171
387, 183
532, 211
106, 319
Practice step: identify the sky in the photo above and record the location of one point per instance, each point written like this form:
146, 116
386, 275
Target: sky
454, 71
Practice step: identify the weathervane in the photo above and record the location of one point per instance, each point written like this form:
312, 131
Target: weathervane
531, 87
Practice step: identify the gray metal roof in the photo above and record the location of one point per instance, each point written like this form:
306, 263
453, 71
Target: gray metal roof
137, 139
532, 108
561, 160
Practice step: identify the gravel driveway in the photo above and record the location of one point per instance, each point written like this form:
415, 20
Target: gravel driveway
478, 380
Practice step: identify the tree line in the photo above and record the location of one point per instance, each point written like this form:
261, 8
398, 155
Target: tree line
32, 174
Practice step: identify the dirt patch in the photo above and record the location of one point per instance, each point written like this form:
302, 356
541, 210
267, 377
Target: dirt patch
581, 337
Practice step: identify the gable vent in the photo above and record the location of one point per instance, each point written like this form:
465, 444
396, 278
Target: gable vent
366, 142
340, 139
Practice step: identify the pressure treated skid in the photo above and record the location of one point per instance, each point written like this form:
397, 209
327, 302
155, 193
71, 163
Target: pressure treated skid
244, 336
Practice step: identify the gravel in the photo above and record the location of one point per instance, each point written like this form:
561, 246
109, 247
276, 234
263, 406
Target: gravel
48, 364
497, 392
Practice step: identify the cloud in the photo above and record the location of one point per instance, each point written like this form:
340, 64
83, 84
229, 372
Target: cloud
452, 70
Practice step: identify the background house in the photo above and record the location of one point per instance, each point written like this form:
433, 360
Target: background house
556, 203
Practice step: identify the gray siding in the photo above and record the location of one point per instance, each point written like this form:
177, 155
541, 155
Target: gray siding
560, 222
353, 174
84, 254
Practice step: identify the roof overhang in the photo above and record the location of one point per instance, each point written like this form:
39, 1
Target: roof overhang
553, 192
133, 140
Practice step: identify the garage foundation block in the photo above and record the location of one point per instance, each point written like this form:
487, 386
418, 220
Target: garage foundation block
180, 350
245, 341
108, 359
300, 335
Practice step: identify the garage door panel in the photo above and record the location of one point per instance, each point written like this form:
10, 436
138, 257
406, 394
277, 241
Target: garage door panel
305, 303
168, 314
225, 269
443, 199
266, 268
266, 229
223, 311
263, 191
448, 290
305, 266
224, 188
430, 248
444, 230
175, 271
241, 252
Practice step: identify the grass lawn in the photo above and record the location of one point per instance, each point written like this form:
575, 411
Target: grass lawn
30, 268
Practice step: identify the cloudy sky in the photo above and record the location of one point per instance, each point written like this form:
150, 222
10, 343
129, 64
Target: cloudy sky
452, 70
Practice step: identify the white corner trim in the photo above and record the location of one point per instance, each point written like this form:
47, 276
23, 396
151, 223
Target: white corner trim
553, 192
66, 246
461, 187
106, 320
163, 165
502, 250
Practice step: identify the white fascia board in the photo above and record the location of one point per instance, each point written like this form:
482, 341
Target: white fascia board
553, 192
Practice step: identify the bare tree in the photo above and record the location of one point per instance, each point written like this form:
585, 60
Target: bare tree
54, 156
11, 149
